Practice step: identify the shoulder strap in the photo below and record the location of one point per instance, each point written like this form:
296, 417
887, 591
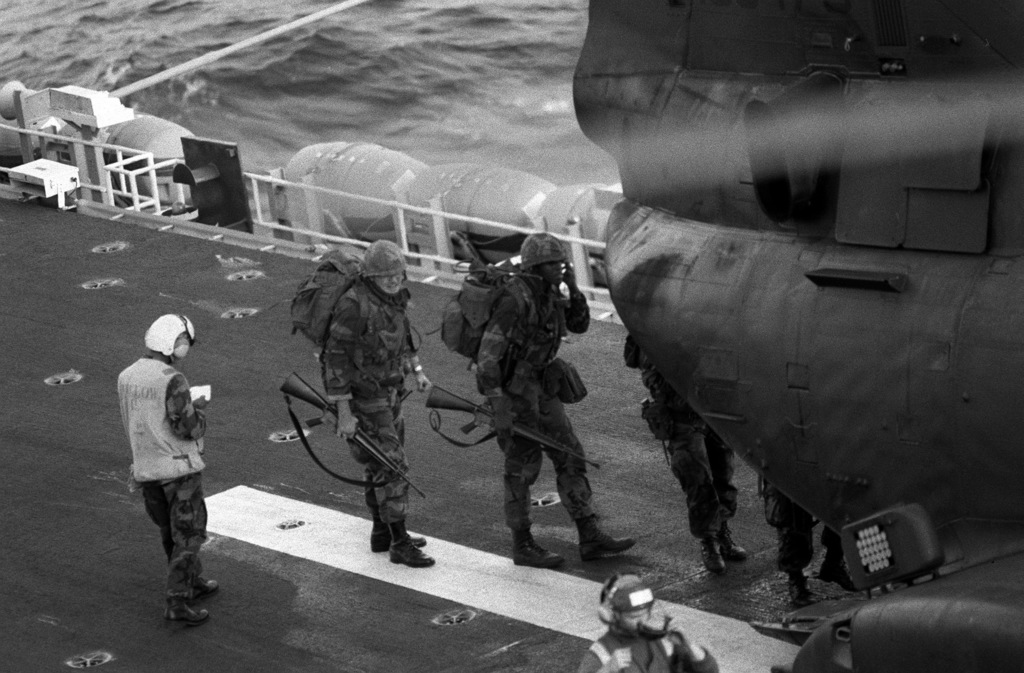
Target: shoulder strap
601, 652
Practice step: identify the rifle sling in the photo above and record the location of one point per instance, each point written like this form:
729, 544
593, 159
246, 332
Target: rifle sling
435, 425
312, 454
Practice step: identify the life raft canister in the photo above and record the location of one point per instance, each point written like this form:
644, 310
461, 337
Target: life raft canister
156, 135
359, 168
486, 192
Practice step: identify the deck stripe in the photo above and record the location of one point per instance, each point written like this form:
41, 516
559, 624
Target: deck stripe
467, 576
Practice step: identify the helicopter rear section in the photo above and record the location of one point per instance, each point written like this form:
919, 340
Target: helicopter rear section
820, 243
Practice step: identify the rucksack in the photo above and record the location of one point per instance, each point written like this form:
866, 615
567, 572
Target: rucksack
315, 297
466, 315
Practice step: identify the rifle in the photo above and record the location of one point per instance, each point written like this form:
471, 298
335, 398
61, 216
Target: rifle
295, 386
439, 398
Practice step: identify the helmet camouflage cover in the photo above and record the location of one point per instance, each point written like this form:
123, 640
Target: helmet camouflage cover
383, 258
541, 248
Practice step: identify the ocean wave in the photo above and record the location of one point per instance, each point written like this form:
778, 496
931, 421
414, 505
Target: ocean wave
444, 80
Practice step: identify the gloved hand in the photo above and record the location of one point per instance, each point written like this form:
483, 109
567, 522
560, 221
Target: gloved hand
503, 417
346, 426
423, 384
688, 654
569, 278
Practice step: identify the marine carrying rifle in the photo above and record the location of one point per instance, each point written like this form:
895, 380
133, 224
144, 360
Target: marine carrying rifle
439, 398
295, 386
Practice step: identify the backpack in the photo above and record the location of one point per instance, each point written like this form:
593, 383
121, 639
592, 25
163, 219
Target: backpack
466, 315
314, 300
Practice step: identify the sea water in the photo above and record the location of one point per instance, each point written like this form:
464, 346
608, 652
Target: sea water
444, 81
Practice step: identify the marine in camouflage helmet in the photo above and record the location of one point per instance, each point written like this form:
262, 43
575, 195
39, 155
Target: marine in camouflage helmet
383, 258
541, 248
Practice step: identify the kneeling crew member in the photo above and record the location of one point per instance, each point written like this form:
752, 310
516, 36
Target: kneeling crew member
636, 640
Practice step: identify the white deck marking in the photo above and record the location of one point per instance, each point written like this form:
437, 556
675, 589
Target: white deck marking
467, 576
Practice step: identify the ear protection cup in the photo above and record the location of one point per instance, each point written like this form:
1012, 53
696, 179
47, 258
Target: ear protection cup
190, 331
604, 611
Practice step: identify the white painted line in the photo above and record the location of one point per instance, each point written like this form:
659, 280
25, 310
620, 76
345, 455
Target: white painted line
469, 577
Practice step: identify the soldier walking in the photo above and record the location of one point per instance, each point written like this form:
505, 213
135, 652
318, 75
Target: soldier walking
795, 530
518, 347
366, 357
699, 459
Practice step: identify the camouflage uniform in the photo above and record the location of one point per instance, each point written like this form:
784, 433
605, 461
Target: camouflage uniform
178, 508
520, 341
365, 355
699, 458
795, 527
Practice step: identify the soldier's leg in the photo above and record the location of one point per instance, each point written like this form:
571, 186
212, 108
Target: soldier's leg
689, 463
688, 459
523, 460
159, 512
382, 422
187, 510
795, 528
573, 485
570, 472
522, 467
833, 567
721, 459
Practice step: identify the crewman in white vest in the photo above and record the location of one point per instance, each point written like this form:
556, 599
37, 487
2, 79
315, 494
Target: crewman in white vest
165, 428
638, 640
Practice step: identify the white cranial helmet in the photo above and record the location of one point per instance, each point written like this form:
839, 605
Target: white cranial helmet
165, 330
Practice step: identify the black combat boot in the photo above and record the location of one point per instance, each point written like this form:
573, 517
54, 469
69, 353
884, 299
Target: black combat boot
595, 543
799, 594
404, 550
203, 588
380, 536
179, 611
711, 553
729, 549
833, 569
526, 552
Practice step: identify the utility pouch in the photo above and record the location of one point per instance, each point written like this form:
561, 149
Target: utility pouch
562, 380
658, 417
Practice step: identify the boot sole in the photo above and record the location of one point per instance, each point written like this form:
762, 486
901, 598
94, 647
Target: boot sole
186, 621
605, 553
413, 565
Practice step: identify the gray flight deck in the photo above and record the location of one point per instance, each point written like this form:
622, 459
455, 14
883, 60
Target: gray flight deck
82, 565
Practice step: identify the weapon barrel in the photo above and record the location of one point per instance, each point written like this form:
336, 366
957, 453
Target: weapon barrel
544, 440
439, 398
295, 386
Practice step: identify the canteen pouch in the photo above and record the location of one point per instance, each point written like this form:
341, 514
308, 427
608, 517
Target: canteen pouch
563, 381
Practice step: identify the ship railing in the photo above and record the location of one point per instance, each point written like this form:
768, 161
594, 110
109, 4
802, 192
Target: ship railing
423, 233
132, 180
114, 183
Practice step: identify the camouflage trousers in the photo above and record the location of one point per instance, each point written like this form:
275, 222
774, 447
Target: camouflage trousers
178, 508
523, 459
382, 420
795, 529
703, 464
